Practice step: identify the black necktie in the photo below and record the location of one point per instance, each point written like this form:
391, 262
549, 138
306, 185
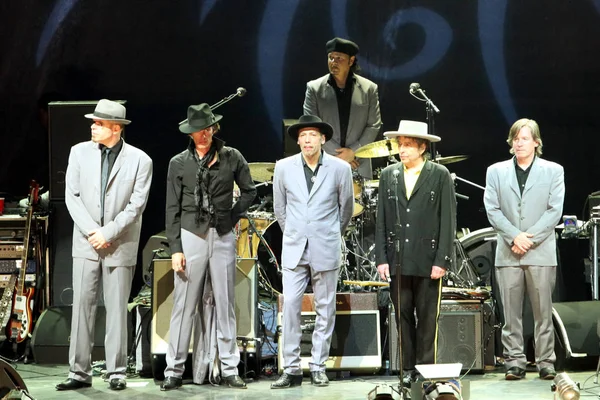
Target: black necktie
104, 181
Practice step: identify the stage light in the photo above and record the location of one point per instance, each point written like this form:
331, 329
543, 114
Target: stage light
565, 388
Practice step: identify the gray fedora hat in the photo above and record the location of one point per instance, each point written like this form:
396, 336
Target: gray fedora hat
311, 121
108, 110
199, 117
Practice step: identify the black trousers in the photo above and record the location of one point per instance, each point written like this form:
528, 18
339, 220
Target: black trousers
422, 296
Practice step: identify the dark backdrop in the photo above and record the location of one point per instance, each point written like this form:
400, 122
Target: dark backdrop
484, 63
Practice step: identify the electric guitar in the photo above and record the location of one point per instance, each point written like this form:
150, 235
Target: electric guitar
21, 322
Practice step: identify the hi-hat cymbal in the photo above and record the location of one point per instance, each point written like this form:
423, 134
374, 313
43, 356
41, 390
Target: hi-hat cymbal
262, 172
450, 159
381, 148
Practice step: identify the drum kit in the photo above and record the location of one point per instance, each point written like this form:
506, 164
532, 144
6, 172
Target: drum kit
259, 237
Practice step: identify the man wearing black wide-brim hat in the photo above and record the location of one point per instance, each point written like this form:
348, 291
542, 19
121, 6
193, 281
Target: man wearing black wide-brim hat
313, 202
199, 227
346, 101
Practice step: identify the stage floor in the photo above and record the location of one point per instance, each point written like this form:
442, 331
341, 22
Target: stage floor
41, 379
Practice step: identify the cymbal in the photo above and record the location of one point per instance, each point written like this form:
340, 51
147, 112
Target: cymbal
381, 148
450, 159
261, 171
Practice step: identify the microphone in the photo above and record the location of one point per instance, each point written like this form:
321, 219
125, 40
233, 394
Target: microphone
414, 87
240, 91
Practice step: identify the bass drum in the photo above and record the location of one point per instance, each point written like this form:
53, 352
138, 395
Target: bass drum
480, 247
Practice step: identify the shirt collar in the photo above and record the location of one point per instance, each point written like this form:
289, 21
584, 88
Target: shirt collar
320, 162
331, 80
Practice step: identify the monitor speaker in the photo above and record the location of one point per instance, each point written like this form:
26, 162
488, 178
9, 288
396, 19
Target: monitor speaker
67, 126
290, 146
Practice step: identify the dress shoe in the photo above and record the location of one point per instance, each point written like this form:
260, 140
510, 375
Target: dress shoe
170, 383
514, 374
287, 381
319, 378
72, 384
117, 384
547, 373
234, 381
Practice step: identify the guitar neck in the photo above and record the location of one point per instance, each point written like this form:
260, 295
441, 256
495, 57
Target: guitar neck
25, 254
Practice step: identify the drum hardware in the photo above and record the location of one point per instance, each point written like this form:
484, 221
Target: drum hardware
255, 230
456, 177
449, 159
262, 171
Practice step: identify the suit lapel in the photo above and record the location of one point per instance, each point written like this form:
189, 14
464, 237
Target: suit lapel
423, 176
534, 175
298, 176
332, 105
321, 174
511, 176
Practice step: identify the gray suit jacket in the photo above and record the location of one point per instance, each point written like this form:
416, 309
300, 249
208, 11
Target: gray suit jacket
126, 195
318, 218
365, 117
537, 211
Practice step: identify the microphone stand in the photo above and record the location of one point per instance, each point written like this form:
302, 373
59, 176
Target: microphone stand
238, 92
398, 266
430, 109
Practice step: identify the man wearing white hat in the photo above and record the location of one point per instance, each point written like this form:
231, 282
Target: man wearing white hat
107, 186
416, 226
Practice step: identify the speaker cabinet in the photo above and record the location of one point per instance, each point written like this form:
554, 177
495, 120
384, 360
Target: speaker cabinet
460, 335
67, 126
52, 334
290, 146
355, 345
162, 305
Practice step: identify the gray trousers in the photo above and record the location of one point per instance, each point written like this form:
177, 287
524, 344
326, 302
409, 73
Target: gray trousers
217, 255
324, 286
116, 281
539, 283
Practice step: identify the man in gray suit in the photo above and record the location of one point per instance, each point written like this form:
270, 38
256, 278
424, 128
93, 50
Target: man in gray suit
346, 101
523, 200
312, 196
107, 185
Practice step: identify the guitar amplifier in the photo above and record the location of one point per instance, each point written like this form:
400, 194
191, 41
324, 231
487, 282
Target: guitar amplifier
355, 345
465, 335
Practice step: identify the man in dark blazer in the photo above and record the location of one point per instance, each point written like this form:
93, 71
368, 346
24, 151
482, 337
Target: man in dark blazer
346, 101
524, 200
313, 203
107, 186
414, 238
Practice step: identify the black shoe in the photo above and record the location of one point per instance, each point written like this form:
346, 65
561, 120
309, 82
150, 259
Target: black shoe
117, 384
72, 384
319, 378
287, 381
234, 381
547, 373
514, 374
170, 383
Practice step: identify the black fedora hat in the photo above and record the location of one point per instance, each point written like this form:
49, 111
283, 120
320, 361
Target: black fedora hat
311, 121
199, 117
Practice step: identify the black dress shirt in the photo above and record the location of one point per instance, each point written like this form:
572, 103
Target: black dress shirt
344, 100
112, 155
181, 184
309, 175
522, 174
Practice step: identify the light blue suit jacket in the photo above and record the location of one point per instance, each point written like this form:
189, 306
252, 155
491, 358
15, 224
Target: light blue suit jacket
125, 199
317, 219
537, 211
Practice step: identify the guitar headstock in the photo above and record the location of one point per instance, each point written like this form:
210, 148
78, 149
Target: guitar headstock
34, 190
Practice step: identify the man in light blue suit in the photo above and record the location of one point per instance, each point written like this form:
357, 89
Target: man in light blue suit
524, 200
346, 101
107, 186
313, 202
